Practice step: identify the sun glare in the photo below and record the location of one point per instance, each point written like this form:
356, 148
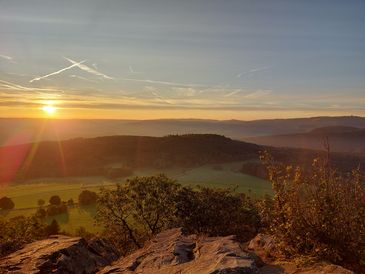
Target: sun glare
49, 109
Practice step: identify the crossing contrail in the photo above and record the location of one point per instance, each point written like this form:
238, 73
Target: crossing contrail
57, 72
88, 69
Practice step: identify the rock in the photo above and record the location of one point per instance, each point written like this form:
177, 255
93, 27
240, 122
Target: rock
173, 252
264, 245
60, 254
325, 269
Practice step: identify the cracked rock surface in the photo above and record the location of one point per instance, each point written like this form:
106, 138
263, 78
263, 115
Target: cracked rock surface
60, 254
173, 252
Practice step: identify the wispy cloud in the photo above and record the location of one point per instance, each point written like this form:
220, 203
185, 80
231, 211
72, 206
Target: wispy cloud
89, 69
57, 72
9, 58
252, 71
232, 93
82, 78
258, 94
17, 87
165, 83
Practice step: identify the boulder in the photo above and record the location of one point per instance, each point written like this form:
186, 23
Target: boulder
264, 244
60, 254
173, 252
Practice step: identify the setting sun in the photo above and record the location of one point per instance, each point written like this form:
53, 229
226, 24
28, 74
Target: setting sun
49, 109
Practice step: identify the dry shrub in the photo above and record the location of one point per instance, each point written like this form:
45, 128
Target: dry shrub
318, 212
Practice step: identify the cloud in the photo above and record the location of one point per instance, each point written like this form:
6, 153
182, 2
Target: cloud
17, 87
89, 69
258, 94
232, 93
9, 58
56, 72
251, 72
165, 83
82, 78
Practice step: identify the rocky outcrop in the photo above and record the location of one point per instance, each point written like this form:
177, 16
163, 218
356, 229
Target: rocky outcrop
60, 254
170, 252
265, 247
173, 252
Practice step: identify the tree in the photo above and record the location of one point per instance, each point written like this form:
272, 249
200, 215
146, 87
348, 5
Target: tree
70, 202
6, 203
87, 197
55, 200
53, 228
41, 202
138, 209
209, 211
53, 210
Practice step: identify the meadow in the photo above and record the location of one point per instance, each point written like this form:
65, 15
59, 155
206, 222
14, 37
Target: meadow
26, 195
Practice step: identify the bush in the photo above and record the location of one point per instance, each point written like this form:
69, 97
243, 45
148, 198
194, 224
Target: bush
216, 212
53, 228
135, 211
6, 203
18, 231
318, 212
55, 200
87, 197
144, 206
41, 202
53, 210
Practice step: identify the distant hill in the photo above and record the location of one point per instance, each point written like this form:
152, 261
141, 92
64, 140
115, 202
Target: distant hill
340, 138
98, 156
17, 131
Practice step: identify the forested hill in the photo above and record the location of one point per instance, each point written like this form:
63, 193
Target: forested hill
83, 157
88, 157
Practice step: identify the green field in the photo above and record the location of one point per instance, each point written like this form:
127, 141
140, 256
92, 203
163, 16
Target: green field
26, 195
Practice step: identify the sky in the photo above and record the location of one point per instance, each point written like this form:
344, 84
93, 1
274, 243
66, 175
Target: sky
149, 59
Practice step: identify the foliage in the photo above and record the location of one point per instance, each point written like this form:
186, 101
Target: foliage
144, 206
53, 210
216, 212
41, 202
138, 209
70, 202
318, 212
6, 203
87, 197
55, 200
53, 228
18, 231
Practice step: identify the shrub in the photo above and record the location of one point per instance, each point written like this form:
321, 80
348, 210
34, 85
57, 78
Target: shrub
53, 210
132, 213
18, 231
6, 203
216, 212
52, 228
135, 211
87, 197
318, 212
41, 202
55, 200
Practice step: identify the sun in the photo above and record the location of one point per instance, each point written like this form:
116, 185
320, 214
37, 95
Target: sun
48, 109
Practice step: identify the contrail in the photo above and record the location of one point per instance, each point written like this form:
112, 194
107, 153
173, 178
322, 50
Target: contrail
57, 72
232, 93
14, 86
6, 57
88, 69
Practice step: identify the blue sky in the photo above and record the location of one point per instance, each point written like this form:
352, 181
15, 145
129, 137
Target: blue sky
195, 58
